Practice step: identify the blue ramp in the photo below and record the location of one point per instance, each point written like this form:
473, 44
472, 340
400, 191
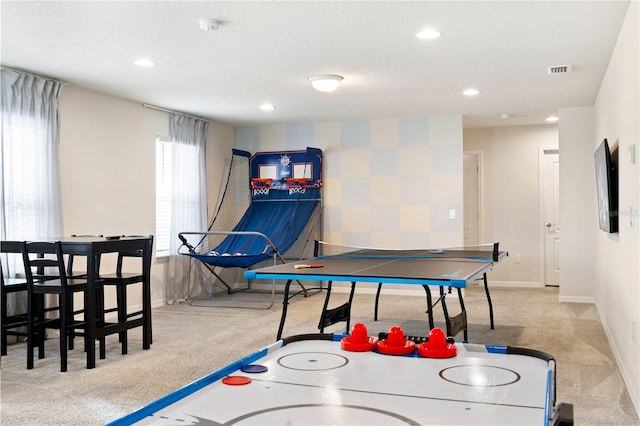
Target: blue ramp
281, 221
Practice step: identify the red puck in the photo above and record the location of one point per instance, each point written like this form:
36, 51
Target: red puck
236, 380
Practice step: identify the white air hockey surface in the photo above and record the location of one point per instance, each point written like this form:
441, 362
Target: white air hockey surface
315, 382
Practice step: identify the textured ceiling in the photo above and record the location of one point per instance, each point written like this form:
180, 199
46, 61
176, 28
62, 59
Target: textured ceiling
264, 51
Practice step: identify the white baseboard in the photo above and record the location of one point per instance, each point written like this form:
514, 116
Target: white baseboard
518, 284
627, 376
155, 304
576, 299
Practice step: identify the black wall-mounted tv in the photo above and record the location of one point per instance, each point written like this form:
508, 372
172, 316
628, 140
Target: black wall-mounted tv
607, 187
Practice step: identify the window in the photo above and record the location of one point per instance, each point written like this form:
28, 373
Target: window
163, 196
30, 200
30, 197
22, 192
176, 176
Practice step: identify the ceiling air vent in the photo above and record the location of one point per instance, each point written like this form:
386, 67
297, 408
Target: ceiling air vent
559, 69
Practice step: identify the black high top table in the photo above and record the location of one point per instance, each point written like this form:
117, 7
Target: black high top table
92, 248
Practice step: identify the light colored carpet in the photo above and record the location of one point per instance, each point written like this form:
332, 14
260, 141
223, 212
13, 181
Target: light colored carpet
190, 342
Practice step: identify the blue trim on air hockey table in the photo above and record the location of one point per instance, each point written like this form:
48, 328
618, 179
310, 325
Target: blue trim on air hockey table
192, 387
202, 382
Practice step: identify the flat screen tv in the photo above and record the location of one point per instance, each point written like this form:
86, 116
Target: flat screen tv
607, 187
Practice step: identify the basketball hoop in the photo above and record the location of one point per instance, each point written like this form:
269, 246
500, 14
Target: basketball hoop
297, 185
261, 186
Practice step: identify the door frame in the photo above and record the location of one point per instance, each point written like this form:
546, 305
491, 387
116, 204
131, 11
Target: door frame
541, 219
478, 155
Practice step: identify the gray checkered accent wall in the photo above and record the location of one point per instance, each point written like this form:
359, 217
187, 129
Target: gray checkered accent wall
393, 183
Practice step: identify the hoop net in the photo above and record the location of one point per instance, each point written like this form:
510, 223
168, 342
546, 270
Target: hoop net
235, 201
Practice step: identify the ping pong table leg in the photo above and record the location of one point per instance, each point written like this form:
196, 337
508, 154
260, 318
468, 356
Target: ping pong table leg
486, 290
445, 311
285, 303
429, 307
464, 316
375, 310
353, 289
324, 308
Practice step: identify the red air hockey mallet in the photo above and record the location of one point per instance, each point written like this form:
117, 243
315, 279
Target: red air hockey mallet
437, 346
358, 341
395, 343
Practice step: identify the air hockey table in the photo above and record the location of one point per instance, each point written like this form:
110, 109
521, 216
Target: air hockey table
312, 380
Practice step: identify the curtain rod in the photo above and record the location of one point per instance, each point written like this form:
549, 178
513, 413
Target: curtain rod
64, 83
174, 112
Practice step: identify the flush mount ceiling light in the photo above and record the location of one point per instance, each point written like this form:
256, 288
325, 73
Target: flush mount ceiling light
209, 24
428, 34
267, 107
325, 82
552, 119
471, 92
143, 62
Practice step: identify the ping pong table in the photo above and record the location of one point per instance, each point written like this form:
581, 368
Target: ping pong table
316, 380
452, 268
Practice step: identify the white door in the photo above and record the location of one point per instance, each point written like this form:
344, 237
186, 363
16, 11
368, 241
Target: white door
551, 216
471, 195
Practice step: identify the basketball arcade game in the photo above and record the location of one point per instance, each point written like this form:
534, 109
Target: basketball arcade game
270, 207
327, 379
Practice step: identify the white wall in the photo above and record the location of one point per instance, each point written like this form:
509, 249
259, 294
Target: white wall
510, 206
578, 211
616, 114
107, 159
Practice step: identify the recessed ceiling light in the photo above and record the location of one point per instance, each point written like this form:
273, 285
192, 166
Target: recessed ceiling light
267, 107
143, 62
471, 92
428, 34
552, 119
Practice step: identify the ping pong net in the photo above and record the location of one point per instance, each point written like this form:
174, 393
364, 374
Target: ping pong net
482, 252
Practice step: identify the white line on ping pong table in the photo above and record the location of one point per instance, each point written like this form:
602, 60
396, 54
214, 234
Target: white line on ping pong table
374, 266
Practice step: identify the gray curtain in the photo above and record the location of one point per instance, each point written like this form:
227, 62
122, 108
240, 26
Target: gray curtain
188, 138
30, 190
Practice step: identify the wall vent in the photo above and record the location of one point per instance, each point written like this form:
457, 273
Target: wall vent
559, 69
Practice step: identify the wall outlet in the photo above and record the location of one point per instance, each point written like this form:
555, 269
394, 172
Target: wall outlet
518, 258
452, 213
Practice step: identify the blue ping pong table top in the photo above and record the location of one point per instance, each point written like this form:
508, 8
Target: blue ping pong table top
455, 268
